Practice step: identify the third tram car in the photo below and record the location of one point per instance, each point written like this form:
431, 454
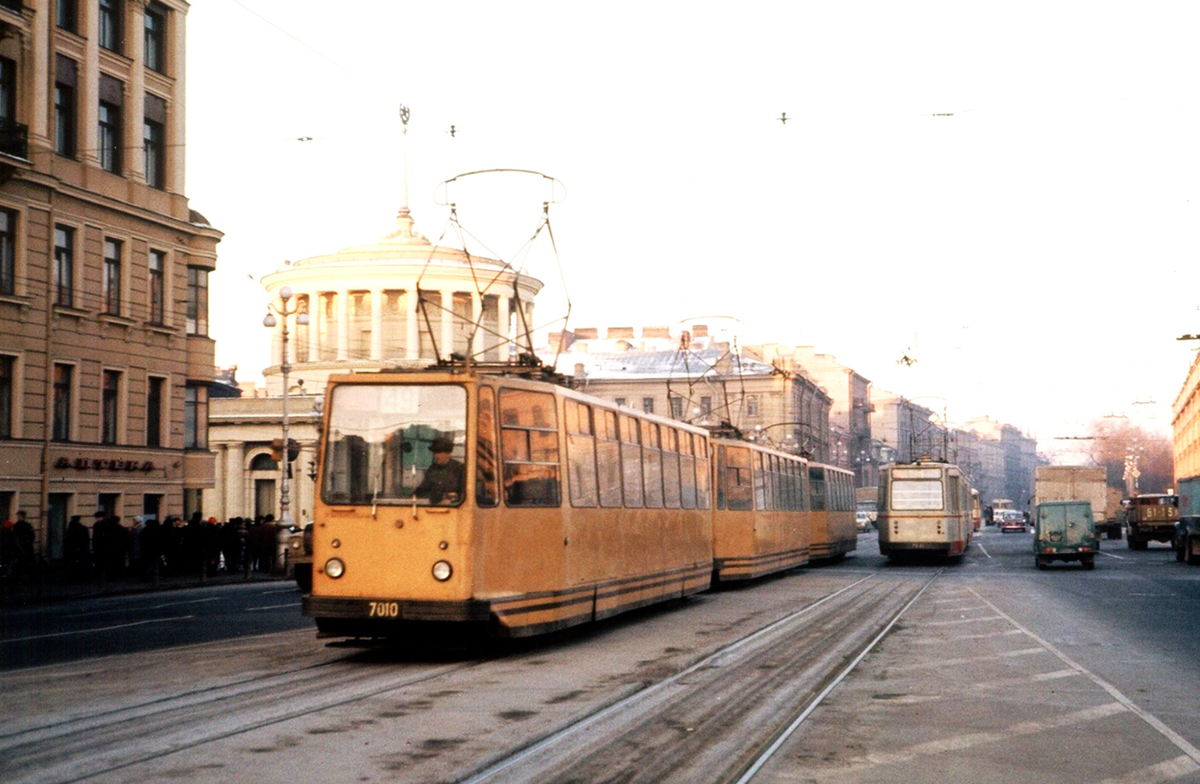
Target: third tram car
924, 507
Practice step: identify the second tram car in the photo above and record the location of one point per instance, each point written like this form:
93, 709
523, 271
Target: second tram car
924, 507
834, 529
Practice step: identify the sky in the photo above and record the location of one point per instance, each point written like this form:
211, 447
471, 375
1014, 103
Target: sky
1005, 192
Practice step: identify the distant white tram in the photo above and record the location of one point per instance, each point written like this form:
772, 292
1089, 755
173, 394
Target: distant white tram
924, 507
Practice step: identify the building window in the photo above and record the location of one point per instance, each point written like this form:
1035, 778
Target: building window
705, 405
110, 33
65, 16
152, 146
64, 266
195, 417
110, 404
620, 401
156, 37
112, 277
8, 391
197, 301
648, 405
64, 106
154, 410
8, 92
158, 268
8, 252
752, 405
677, 408
61, 429
110, 137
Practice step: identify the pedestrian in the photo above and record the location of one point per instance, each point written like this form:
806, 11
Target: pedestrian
23, 542
77, 549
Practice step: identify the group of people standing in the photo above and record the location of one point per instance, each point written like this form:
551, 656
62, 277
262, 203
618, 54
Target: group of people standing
148, 549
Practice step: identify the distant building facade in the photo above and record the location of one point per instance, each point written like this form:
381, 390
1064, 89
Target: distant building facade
105, 359
697, 377
1185, 425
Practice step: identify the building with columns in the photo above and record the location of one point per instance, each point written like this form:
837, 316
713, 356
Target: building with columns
105, 359
401, 302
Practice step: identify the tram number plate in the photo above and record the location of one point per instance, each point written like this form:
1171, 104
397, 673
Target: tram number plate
384, 610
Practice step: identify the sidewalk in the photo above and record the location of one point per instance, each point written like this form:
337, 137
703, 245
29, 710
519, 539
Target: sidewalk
49, 586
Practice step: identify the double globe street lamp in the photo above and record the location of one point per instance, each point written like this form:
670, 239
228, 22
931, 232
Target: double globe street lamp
285, 312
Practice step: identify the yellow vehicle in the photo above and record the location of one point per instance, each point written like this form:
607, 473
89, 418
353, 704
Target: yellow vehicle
568, 509
761, 523
924, 507
834, 529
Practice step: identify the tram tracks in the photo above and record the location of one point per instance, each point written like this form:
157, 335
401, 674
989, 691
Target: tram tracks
93, 744
722, 717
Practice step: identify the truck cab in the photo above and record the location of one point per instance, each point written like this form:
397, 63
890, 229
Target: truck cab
1065, 531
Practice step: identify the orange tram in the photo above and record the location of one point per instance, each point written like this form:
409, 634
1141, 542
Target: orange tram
457, 498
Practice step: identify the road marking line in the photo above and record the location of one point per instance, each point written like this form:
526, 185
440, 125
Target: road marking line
293, 589
141, 609
93, 631
273, 606
1163, 771
963, 620
964, 609
966, 741
984, 636
967, 660
985, 552
1170, 734
1110, 555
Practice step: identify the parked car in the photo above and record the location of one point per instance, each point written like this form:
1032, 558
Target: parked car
863, 519
1010, 520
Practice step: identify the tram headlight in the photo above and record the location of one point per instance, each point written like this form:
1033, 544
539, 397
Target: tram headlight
334, 568
442, 571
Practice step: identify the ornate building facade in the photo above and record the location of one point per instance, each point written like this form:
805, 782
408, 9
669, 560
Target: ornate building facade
105, 359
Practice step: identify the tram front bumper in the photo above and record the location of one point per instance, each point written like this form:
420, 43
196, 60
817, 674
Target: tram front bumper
395, 609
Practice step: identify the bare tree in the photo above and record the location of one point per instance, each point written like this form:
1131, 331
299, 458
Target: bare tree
1117, 444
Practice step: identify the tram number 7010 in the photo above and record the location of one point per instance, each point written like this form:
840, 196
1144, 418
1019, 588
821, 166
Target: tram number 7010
384, 610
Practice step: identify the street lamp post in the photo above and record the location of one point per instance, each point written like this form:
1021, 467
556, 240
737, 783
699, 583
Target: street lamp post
285, 312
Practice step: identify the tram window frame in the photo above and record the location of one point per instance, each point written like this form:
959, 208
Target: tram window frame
703, 476
632, 482
737, 476
672, 491
525, 439
687, 469
487, 493
652, 465
760, 481
608, 459
818, 486
581, 455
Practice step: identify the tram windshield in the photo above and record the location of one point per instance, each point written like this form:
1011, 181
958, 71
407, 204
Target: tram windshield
395, 444
916, 494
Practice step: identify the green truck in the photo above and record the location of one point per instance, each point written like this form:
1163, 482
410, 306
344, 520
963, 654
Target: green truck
1187, 528
1064, 531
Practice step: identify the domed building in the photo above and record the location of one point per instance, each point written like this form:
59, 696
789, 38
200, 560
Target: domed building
401, 302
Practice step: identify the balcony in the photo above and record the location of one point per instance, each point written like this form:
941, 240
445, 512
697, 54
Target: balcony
14, 137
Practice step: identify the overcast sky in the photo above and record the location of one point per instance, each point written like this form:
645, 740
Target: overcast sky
1006, 192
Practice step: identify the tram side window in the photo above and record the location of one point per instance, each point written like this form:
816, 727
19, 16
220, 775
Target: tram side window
737, 480
787, 479
652, 465
703, 497
760, 482
608, 458
687, 470
816, 481
631, 462
581, 454
485, 450
670, 453
952, 494
529, 443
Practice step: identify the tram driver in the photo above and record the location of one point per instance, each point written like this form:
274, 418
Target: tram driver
445, 479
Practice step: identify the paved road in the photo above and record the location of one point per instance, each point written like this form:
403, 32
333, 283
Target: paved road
995, 671
56, 632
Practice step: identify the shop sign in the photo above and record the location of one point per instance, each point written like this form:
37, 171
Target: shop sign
104, 464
